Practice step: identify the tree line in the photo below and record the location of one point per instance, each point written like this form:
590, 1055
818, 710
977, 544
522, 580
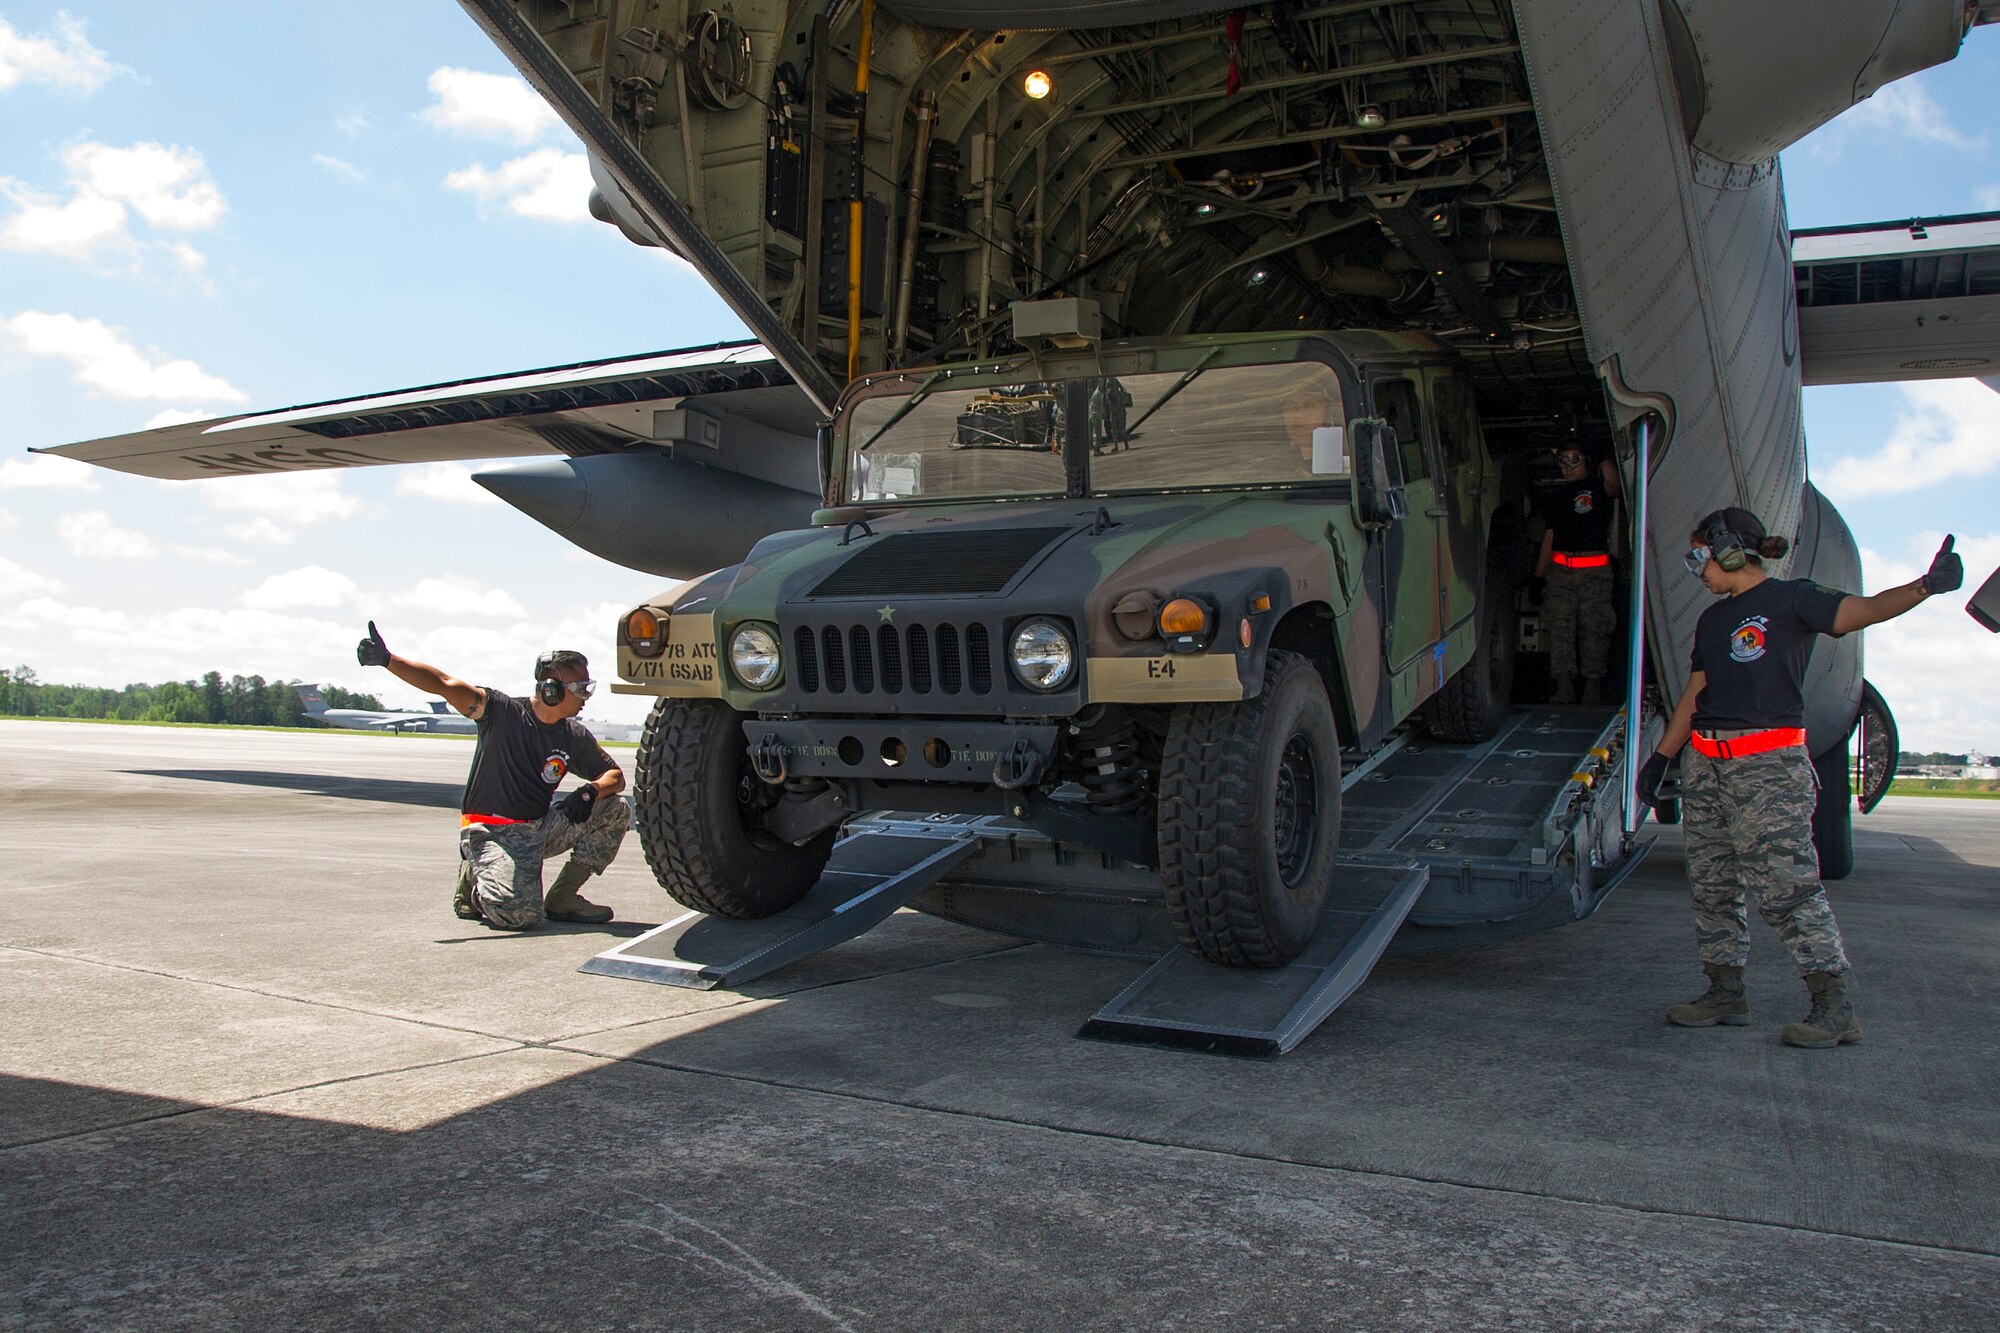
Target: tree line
245, 701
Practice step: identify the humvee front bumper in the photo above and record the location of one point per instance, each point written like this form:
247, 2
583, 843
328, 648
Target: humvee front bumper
1007, 755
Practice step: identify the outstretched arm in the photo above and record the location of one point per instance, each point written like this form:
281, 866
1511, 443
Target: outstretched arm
1946, 574
1609, 472
467, 699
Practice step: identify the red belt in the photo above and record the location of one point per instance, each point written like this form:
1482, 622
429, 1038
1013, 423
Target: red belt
1580, 561
465, 819
1742, 747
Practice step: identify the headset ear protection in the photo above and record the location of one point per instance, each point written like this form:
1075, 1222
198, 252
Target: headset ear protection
1725, 548
547, 688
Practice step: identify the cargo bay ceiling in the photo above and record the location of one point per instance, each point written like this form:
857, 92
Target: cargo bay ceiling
1357, 164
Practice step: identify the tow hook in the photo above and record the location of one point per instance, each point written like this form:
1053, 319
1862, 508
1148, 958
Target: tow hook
767, 759
1017, 767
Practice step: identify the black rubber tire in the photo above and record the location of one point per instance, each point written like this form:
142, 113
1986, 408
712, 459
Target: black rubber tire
1223, 777
1473, 704
1833, 817
693, 773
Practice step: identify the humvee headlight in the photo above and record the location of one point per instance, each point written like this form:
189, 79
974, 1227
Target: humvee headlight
643, 633
1185, 623
753, 655
1043, 657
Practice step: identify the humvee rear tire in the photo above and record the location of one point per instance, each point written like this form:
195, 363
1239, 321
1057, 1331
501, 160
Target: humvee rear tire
1250, 818
1473, 703
697, 803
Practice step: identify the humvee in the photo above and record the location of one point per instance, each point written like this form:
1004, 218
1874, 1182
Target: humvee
1142, 597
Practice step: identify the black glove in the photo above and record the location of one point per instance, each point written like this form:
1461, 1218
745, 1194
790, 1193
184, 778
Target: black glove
1537, 586
1947, 571
1651, 774
371, 651
575, 807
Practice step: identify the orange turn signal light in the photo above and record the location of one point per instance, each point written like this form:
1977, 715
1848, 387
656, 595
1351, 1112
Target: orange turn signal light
1183, 616
645, 632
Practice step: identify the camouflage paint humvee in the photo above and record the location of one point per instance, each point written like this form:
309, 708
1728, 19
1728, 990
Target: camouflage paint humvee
1139, 597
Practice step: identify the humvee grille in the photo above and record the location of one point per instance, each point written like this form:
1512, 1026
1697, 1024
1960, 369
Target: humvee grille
919, 659
937, 564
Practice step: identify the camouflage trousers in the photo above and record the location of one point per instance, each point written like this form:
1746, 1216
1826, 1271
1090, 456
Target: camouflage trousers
1749, 836
505, 860
1578, 619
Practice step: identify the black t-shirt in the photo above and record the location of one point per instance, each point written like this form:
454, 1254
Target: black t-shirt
1753, 647
1579, 513
520, 759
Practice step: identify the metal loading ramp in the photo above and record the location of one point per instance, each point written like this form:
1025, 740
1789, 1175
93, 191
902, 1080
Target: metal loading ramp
1185, 1000
876, 867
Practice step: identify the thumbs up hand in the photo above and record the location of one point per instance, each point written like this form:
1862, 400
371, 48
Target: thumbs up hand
1947, 571
371, 651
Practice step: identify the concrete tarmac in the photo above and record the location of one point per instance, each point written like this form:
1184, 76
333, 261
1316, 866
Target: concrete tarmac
256, 1073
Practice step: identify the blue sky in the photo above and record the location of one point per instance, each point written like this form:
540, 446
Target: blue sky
217, 207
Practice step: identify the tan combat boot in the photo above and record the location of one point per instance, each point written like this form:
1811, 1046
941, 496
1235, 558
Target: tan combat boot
462, 905
564, 903
1724, 1002
1565, 690
1831, 1020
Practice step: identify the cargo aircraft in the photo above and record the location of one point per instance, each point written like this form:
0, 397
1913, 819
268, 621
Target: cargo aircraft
439, 720
1581, 205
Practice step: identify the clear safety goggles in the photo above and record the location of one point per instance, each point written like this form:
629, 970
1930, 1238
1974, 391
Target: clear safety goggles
1698, 559
582, 689
1568, 461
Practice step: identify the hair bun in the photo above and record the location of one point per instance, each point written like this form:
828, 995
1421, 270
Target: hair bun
1773, 547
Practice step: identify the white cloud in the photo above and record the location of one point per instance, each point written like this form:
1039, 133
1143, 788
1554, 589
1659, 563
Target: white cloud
105, 359
1950, 429
18, 581
450, 482
208, 555
177, 416
352, 124
48, 471
277, 507
166, 185
1931, 663
1904, 112
63, 58
339, 166
487, 106
7, 520
90, 533
314, 585
453, 595
548, 184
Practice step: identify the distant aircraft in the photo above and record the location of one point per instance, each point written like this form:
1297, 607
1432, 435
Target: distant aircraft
439, 719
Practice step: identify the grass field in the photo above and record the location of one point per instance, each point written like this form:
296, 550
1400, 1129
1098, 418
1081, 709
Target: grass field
1964, 789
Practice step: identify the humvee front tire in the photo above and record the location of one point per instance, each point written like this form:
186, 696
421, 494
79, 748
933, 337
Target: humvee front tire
698, 804
1250, 818
1473, 703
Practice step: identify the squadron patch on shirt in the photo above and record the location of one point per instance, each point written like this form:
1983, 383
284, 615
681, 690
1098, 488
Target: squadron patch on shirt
1584, 502
554, 767
1747, 643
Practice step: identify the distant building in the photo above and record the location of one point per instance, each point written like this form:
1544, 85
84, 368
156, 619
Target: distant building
612, 731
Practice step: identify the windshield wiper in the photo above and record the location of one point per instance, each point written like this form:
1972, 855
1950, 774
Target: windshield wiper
923, 391
1132, 428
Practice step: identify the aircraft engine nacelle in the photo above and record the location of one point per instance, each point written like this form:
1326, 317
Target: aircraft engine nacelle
649, 512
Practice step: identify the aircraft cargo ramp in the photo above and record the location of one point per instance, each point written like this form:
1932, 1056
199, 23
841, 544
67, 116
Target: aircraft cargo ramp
1442, 845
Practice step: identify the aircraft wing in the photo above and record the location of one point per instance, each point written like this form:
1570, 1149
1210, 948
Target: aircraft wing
1917, 299
577, 410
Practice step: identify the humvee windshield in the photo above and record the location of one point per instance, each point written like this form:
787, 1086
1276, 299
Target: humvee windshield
1219, 426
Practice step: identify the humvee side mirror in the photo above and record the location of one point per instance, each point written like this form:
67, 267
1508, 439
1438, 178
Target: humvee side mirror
823, 444
1378, 501
1984, 605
